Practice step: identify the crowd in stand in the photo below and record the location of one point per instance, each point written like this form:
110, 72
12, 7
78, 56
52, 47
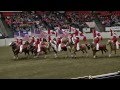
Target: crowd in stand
29, 20
109, 18
48, 19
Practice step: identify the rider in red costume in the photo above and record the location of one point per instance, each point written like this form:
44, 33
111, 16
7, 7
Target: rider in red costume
21, 45
77, 40
32, 41
96, 42
115, 41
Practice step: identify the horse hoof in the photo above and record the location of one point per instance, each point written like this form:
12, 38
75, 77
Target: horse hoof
94, 57
109, 56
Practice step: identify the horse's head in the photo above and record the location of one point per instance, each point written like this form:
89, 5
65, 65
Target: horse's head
109, 42
12, 44
27, 43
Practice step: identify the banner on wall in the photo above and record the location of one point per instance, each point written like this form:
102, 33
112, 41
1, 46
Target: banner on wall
117, 28
86, 29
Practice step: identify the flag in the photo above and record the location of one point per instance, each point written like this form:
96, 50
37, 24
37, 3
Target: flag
94, 33
49, 38
76, 32
73, 30
112, 32
16, 34
26, 37
65, 33
43, 35
59, 33
82, 36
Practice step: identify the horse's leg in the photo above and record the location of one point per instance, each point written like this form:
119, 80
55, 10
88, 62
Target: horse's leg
86, 53
55, 53
74, 54
28, 54
106, 50
35, 53
94, 52
102, 52
45, 54
83, 53
115, 51
110, 52
14, 57
17, 56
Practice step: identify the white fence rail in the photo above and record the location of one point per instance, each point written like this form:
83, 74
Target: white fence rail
5, 42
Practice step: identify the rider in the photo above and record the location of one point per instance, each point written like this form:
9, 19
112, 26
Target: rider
71, 39
96, 42
43, 43
17, 41
77, 45
59, 43
32, 41
37, 44
54, 43
115, 41
21, 44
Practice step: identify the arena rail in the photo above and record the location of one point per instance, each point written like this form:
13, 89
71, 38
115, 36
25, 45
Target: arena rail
115, 75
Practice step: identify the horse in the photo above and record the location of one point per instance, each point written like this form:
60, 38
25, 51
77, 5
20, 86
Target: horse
83, 48
65, 47
102, 48
112, 47
44, 47
16, 49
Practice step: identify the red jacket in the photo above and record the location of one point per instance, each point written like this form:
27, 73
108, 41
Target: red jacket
32, 41
37, 42
96, 40
17, 41
77, 41
114, 39
20, 42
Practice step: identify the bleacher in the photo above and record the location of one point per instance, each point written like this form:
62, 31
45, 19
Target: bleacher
29, 20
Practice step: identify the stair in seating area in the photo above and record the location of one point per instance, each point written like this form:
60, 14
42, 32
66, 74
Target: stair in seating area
7, 29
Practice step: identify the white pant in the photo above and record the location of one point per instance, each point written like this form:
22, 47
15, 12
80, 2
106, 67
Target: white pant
21, 47
59, 47
54, 46
78, 46
38, 50
97, 46
117, 45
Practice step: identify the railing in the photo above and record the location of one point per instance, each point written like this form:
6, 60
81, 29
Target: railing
115, 75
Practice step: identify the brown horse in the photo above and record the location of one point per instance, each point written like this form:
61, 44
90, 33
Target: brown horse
44, 47
112, 47
102, 48
83, 48
16, 49
65, 47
